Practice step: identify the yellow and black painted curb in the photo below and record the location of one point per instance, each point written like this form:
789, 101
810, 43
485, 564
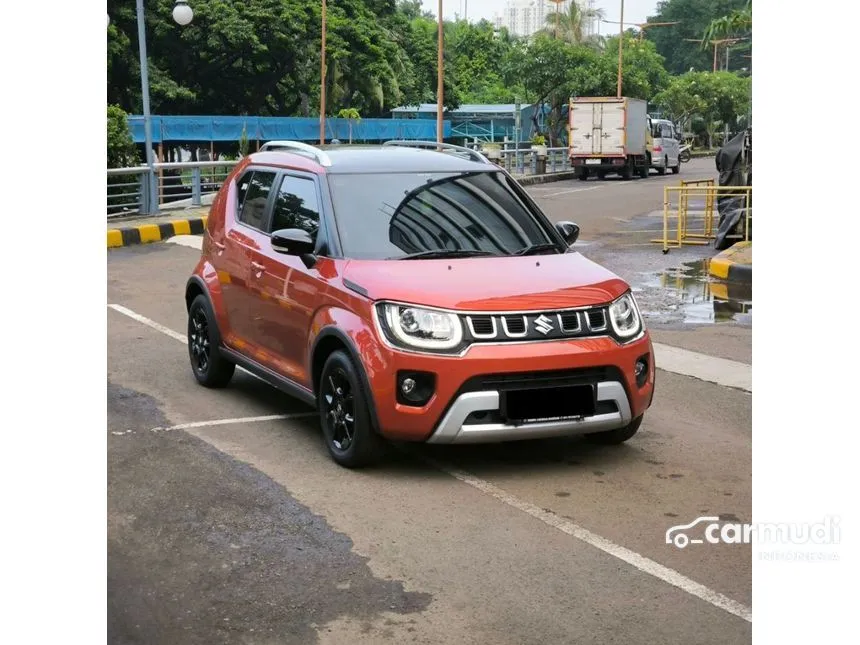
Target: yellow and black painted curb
145, 233
734, 264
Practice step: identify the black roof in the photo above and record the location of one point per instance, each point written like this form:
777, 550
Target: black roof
390, 159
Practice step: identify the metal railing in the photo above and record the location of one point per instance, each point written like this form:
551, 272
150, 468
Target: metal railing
177, 184
526, 161
693, 205
187, 183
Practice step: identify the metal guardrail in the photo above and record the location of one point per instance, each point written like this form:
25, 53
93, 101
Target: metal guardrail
128, 190
694, 206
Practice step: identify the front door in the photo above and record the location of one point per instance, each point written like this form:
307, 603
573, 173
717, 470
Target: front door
289, 289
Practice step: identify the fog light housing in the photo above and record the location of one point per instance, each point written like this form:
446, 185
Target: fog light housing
415, 388
640, 370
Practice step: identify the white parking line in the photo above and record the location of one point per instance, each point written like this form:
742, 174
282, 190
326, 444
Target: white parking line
641, 563
572, 190
701, 366
192, 241
224, 422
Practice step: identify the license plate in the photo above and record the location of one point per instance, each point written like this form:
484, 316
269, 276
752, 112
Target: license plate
548, 403
591, 161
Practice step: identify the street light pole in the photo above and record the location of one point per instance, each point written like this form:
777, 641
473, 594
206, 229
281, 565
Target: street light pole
322, 76
183, 15
440, 88
620, 48
152, 200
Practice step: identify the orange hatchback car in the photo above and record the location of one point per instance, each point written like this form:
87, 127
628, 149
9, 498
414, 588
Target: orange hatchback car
413, 292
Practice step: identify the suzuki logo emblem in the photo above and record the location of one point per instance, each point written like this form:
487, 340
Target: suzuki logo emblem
543, 324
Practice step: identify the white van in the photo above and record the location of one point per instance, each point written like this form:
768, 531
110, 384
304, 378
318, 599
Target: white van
666, 150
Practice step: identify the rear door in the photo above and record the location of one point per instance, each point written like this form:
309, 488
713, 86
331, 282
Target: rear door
245, 236
597, 129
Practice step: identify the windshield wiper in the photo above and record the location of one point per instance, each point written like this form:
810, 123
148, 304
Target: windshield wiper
444, 253
537, 248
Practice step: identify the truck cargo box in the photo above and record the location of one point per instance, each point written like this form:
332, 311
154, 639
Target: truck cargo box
607, 127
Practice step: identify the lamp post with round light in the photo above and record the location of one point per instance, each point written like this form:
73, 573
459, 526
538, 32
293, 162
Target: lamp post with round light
182, 14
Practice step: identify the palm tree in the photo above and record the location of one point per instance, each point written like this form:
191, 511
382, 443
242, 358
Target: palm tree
738, 21
567, 25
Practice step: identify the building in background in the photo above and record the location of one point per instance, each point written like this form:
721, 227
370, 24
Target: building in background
525, 17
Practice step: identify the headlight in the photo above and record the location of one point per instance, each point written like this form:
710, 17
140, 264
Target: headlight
624, 316
421, 328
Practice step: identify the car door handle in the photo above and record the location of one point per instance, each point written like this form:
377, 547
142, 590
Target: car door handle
258, 268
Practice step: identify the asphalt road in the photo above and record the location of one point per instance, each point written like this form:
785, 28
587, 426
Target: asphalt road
235, 527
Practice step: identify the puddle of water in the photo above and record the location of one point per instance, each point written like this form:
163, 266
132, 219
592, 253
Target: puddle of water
689, 295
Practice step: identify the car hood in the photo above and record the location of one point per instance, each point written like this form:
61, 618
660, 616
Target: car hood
489, 283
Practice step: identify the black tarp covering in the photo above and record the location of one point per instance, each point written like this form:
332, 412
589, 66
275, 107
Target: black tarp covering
734, 163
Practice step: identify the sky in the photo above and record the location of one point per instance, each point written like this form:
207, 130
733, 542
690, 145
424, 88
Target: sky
634, 10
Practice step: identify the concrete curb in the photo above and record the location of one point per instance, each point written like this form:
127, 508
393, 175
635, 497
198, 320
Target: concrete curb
529, 180
734, 264
145, 233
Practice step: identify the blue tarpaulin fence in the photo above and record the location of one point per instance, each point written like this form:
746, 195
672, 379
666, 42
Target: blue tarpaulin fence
229, 128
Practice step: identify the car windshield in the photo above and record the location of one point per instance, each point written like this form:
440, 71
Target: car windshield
432, 215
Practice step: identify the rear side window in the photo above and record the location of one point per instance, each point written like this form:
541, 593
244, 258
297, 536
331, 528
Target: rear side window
254, 204
296, 206
666, 132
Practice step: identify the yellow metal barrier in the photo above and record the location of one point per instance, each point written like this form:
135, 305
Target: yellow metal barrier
699, 227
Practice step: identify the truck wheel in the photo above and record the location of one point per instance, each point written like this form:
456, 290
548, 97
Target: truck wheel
627, 172
601, 174
582, 175
644, 170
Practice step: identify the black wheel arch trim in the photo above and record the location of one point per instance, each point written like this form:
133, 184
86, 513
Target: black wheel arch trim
198, 281
340, 335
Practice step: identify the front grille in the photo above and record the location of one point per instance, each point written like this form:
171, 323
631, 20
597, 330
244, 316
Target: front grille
554, 378
548, 325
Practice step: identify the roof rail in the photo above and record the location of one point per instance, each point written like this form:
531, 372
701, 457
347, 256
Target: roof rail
300, 148
473, 155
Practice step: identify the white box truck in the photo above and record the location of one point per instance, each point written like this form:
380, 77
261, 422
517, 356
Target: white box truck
609, 135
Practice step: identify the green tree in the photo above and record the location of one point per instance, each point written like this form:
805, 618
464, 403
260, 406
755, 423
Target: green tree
121, 151
737, 23
351, 115
681, 44
720, 98
643, 73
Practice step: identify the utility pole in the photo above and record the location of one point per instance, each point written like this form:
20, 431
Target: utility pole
322, 77
440, 87
620, 48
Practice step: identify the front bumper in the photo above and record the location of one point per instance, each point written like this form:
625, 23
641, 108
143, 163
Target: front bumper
465, 405
454, 427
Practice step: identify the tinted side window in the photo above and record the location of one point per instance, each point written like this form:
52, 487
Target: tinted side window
242, 188
296, 206
666, 132
254, 206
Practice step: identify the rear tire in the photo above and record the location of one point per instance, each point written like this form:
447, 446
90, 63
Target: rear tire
644, 170
582, 174
211, 368
676, 169
661, 170
617, 436
601, 174
627, 171
345, 415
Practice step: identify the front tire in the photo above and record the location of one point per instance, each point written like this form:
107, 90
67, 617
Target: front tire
211, 368
345, 415
617, 436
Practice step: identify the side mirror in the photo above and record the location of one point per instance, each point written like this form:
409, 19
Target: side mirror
292, 241
569, 231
